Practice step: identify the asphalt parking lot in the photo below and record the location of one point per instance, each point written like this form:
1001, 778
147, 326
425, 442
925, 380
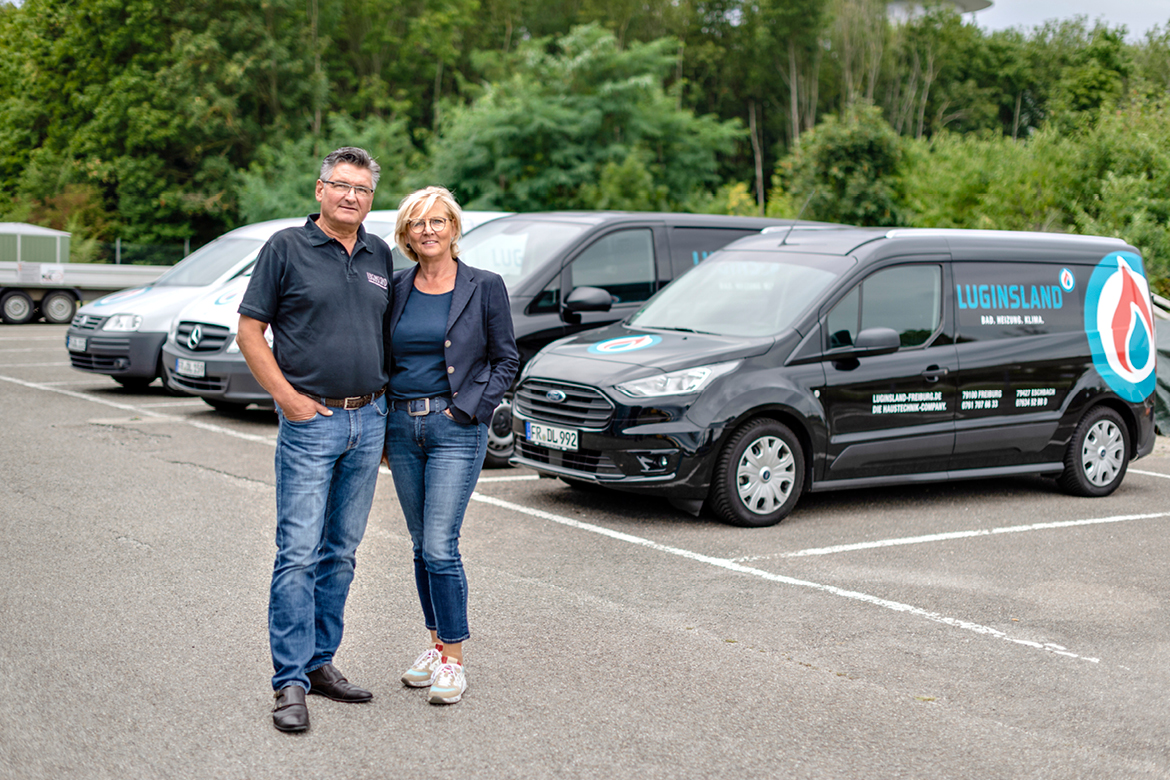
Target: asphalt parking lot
995, 629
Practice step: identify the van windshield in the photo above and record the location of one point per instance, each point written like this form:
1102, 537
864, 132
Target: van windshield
515, 248
209, 262
742, 293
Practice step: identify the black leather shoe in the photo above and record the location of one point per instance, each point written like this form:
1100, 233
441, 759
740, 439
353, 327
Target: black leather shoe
290, 712
331, 684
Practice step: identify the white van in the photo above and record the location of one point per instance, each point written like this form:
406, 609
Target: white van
122, 334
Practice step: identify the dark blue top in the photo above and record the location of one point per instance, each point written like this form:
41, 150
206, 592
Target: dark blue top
326, 308
420, 368
480, 345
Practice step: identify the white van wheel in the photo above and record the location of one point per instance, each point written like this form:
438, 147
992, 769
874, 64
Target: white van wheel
1097, 455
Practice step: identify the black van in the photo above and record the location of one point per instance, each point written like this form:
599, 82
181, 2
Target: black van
620, 258
805, 360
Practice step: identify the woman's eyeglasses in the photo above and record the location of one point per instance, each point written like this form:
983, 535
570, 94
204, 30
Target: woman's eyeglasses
436, 224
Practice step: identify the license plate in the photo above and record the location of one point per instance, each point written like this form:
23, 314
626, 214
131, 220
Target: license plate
548, 436
75, 343
195, 368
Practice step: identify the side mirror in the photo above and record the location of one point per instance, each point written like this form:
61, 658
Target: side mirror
871, 341
877, 341
588, 299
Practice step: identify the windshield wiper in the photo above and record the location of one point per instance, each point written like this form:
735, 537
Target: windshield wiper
682, 330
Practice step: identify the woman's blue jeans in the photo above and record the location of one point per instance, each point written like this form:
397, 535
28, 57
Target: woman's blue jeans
326, 470
436, 462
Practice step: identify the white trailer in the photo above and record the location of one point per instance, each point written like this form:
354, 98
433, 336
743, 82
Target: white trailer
36, 277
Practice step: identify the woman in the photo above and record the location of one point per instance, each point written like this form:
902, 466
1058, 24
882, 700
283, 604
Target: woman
452, 356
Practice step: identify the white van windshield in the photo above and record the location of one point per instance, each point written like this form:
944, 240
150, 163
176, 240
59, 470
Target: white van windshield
515, 248
209, 262
742, 293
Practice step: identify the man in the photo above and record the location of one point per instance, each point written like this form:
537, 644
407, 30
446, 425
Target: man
324, 289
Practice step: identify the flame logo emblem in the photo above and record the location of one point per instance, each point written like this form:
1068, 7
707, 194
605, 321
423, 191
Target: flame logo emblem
624, 344
1119, 323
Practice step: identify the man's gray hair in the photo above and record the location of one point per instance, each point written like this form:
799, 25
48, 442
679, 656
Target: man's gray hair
354, 156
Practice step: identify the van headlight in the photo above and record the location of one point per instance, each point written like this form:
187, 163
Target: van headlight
681, 382
123, 322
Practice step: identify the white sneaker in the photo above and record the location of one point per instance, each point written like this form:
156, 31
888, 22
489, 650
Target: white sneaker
449, 684
422, 672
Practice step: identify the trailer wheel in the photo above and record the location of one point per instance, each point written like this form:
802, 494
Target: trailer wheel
58, 307
16, 308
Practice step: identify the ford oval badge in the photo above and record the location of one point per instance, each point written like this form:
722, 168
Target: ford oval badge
555, 396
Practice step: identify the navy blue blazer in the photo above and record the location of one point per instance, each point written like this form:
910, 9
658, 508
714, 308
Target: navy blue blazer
480, 347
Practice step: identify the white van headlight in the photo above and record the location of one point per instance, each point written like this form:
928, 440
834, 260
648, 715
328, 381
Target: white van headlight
681, 382
123, 322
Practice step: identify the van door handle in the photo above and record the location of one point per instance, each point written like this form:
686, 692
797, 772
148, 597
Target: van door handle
934, 373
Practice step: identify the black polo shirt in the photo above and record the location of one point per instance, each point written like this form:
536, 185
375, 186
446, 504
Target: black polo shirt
326, 308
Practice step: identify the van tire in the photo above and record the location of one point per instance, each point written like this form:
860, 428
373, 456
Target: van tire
1097, 455
501, 441
759, 475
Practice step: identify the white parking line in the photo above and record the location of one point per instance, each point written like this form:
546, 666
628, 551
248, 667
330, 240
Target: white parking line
28, 349
731, 565
30, 338
1147, 473
1013, 529
34, 365
270, 440
183, 403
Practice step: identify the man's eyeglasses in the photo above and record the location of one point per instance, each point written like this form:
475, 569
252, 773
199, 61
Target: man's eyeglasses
342, 188
436, 224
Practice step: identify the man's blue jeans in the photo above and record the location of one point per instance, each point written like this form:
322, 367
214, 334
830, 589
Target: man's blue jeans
436, 462
326, 470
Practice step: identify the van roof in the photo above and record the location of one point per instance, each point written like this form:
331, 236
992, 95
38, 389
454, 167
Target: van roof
959, 243
672, 218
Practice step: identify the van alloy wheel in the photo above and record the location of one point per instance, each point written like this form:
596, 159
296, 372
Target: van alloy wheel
759, 475
1098, 454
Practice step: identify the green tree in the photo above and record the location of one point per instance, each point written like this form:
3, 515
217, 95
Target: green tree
846, 170
559, 111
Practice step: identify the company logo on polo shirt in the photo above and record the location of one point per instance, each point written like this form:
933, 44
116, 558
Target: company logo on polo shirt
624, 344
378, 280
1120, 325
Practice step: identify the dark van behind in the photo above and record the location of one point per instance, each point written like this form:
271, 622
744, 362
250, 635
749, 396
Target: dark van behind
571, 271
806, 360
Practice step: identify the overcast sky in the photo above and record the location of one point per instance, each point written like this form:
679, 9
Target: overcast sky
1138, 15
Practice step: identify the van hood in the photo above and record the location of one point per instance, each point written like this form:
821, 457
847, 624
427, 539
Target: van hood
155, 305
617, 353
218, 307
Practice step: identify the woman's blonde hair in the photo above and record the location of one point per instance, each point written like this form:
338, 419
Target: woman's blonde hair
420, 202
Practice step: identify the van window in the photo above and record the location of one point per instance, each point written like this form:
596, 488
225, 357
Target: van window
1010, 300
549, 299
620, 263
742, 293
906, 298
690, 246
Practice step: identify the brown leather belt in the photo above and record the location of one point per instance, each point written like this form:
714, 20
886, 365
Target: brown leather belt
353, 402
